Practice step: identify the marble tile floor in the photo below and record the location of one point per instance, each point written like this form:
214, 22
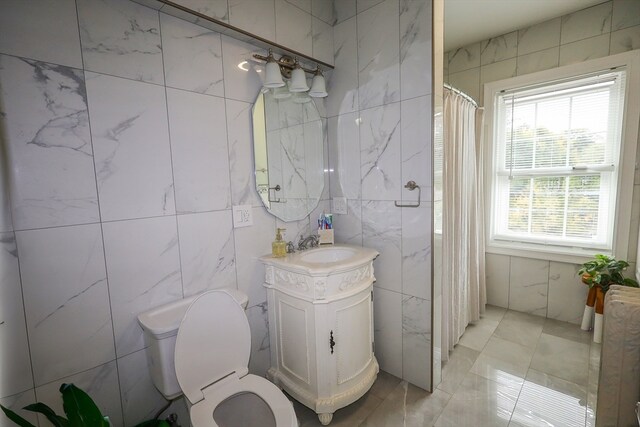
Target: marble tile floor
509, 369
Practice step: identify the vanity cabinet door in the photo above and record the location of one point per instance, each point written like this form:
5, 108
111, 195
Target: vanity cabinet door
295, 332
352, 335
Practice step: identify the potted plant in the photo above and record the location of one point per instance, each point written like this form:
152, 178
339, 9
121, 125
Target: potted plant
604, 271
79, 408
600, 273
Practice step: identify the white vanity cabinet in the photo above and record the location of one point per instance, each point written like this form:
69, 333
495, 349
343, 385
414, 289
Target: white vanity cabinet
321, 326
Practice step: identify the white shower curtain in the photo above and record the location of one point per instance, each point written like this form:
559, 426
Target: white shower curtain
463, 262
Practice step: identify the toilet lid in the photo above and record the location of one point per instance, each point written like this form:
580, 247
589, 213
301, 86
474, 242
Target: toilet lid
214, 340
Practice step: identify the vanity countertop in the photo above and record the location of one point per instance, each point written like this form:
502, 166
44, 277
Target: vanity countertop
323, 260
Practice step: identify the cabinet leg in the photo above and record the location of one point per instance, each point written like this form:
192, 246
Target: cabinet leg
325, 419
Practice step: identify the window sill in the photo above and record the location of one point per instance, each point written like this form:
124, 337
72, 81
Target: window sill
547, 253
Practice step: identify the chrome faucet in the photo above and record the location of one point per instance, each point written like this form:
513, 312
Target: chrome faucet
309, 241
290, 247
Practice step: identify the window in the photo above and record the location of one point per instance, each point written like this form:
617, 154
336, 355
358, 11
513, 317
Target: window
556, 164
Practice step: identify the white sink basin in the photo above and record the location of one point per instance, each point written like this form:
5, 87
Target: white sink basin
328, 255
323, 260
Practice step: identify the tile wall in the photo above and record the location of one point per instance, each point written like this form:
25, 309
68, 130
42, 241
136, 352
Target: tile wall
125, 140
304, 26
605, 29
379, 111
546, 288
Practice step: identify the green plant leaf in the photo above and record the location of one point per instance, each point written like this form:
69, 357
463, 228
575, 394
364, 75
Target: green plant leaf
43, 409
80, 409
605, 271
16, 418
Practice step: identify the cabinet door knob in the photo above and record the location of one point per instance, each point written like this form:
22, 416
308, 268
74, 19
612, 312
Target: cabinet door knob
331, 341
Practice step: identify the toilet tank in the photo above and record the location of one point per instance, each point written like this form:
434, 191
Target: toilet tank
160, 326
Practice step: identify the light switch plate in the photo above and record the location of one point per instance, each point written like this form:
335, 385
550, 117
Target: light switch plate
339, 205
242, 216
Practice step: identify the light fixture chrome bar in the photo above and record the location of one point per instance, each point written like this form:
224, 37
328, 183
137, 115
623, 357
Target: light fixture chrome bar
287, 62
291, 69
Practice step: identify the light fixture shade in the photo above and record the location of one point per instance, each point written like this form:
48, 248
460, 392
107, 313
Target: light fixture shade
273, 78
318, 87
298, 80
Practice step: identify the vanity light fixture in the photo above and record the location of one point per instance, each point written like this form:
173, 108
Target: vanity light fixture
273, 78
291, 69
298, 79
318, 85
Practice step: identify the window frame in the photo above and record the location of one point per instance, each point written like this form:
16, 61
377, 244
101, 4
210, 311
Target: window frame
626, 165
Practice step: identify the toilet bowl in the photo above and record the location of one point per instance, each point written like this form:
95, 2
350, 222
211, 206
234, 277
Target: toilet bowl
212, 352
211, 361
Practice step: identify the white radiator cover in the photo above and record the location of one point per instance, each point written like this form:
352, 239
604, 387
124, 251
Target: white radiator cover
619, 383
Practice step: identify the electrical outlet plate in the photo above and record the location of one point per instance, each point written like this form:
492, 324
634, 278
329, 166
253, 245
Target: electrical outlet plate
339, 205
242, 216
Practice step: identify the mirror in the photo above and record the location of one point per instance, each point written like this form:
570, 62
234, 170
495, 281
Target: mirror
288, 153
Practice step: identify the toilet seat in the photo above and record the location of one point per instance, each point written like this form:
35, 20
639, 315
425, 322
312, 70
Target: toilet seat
281, 407
212, 356
214, 340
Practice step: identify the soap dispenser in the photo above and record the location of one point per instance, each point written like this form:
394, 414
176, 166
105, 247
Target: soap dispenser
279, 247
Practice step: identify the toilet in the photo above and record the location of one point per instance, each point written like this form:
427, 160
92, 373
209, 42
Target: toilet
211, 356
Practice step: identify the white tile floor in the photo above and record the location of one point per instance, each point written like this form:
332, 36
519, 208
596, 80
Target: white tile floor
509, 369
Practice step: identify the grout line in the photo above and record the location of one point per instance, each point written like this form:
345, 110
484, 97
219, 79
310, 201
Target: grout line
26, 58
224, 96
381, 105
402, 294
546, 311
231, 185
525, 378
509, 284
173, 179
24, 312
6, 182
443, 406
84, 371
559, 39
101, 225
121, 220
358, 12
275, 20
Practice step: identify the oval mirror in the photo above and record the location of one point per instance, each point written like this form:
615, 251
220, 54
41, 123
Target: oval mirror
288, 152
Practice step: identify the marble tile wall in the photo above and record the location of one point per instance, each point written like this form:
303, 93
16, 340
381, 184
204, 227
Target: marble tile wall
605, 29
305, 26
379, 110
126, 139
546, 288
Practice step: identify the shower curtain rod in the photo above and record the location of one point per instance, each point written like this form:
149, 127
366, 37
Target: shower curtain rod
462, 94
